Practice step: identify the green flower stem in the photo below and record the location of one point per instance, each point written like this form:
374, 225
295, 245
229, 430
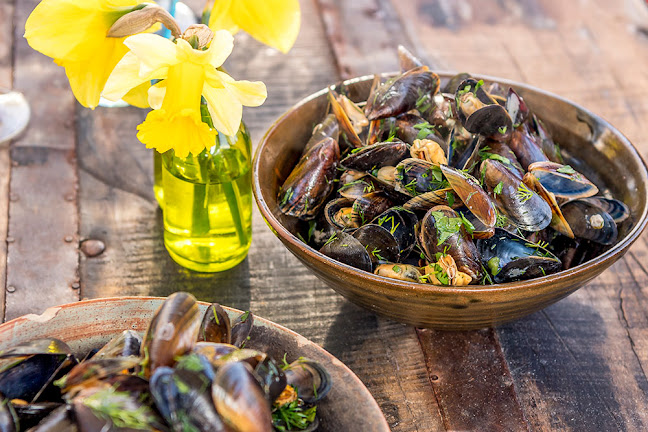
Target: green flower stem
201, 225
233, 196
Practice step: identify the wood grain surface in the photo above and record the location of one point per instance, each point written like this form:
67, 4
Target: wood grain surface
578, 365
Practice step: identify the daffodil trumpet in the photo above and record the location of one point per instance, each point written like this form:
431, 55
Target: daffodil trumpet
187, 74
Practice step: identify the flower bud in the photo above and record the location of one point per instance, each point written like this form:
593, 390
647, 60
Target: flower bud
141, 20
200, 34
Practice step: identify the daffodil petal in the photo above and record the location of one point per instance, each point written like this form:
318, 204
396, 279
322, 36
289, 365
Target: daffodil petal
126, 76
220, 48
183, 131
138, 96
248, 93
153, 51
272, 22
156, 94
220, 17
87, 78
226, 112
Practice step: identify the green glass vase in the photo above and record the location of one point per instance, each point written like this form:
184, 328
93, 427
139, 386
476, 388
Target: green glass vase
207, 204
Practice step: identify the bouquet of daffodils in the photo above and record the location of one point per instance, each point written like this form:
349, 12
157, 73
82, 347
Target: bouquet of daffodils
108, 48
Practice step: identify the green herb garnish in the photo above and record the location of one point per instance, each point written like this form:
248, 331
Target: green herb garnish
566, 170
292, 416
118, 408
498, 188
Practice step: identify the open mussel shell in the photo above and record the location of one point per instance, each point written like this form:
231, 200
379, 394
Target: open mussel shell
172, 332
185, 401
427, 200
479, 112
339, 213
87, 373
589, 221
480, 231
241, 328
240, 400
471, 194
401, 224
348, 250
523, 207
358, 188
309, 378
400, 94
459, 244
379, 242
328, 128
311, 181
509, 258
453, 83
562, 180
213, 351
546, 143
615, 208
525, 148
375, 156
416, 176
28, 369
347, 128
128, 343
516, 108
215, 326
407, 60
370, 205
271, 377
558, 221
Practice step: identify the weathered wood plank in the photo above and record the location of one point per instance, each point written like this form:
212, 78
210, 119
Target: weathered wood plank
471, 381
6, 81
43, 218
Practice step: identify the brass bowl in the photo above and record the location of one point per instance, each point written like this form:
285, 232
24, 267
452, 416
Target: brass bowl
592, 146
87, 325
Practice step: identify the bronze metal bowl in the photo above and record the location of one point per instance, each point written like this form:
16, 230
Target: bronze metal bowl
593, 147
90, 324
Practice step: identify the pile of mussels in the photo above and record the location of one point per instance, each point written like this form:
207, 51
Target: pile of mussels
188, 373
465, 176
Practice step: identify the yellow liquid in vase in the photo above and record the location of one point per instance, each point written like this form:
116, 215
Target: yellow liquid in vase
208, 207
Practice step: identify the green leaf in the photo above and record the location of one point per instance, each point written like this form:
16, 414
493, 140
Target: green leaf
498, 188
566, 170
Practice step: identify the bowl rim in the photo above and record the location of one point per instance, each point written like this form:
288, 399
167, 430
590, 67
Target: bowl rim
611, 254
53, 311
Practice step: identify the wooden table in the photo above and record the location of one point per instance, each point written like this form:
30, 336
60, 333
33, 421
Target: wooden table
79, 175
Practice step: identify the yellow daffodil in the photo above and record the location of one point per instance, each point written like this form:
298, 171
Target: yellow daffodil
74, 33
272, 22
187, 74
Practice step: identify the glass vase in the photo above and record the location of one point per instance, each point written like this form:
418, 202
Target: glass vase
207, 204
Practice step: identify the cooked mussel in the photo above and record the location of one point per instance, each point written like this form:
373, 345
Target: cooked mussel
416, 176
563, 180
339, 213
328, 128
241, 328
479, 112
369, 158
399, 95
305, 190
443, 231
471, 194
589, 221
405, 272
379, 242
309, 378
348, 250
215, 326
509, 258
401, 224
128, 343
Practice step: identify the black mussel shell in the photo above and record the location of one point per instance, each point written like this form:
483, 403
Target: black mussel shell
60, 420
368, 206
271, 377
521, 205
379, 242
32, 414
401, 224
339, 213
489, 121
498, 150
216, 326
348, 250
416, 176
29, 369
85, 374
375, 156
241, 328
615, 208
311, 181
512, 258
400, 94
328, 128
525, 148
546, 143
453, 84
407, 60
590, 222
213, 351
410, 127
471, 194
309, 378
239, 399
128, 343
172, 332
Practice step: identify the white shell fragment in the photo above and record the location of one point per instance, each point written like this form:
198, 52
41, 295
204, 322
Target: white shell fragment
14, 114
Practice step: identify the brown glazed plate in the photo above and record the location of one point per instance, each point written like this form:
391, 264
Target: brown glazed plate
89, 324
591, 145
